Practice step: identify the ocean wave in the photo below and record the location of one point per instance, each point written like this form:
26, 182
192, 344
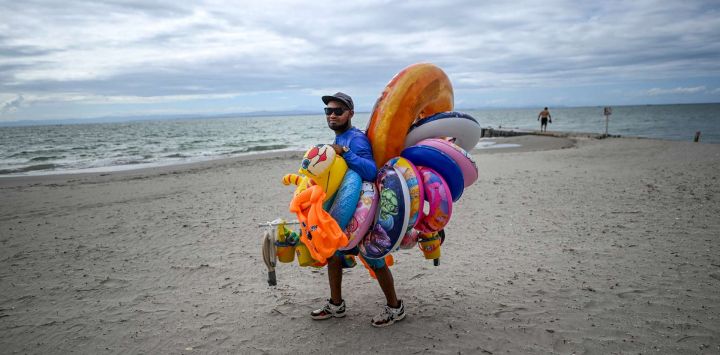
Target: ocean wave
262, 148
30, 168
41, 152
176, 155
259, 140
129, 162
258, 148
46, 158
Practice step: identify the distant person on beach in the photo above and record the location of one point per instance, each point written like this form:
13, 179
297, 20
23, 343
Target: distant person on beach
353, 145
544, 117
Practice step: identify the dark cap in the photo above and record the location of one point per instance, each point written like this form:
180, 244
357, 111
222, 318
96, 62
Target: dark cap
341, 97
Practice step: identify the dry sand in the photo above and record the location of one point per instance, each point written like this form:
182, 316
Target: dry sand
607, 246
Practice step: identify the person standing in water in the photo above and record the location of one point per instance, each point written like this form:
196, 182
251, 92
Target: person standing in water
544, 117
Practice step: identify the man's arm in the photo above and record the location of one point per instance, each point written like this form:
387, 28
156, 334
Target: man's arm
360, 159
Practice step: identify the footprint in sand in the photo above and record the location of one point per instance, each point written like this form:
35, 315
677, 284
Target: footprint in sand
630, 293
513, 310
113, 283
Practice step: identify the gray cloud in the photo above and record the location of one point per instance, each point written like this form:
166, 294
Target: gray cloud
139, 49
678, 90
12, 105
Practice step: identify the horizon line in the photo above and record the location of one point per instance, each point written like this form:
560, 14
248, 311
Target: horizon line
249, 114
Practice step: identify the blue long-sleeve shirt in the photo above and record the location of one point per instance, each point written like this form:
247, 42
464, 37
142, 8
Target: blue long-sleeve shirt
360, 157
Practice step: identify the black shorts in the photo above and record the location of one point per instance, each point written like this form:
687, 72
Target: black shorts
543, 121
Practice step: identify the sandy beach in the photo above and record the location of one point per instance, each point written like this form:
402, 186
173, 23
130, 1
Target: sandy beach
564, 245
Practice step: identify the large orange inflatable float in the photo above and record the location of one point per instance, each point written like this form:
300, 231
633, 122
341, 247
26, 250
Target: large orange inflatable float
416, 92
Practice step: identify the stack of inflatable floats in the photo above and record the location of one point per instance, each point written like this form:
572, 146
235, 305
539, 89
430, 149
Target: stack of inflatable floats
421, 149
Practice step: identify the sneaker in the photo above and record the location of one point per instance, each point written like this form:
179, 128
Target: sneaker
389, 315
328, 311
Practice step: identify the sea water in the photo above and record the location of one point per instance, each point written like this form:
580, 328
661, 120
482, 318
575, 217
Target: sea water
674, 122
63, 148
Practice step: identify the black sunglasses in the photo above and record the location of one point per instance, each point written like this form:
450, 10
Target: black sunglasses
337, 110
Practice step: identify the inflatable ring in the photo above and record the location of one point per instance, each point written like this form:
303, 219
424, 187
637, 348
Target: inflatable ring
439, 201
364, 215
460, 156
461, 126
412, 177
417, 91
422, 155
346, 198
392, 216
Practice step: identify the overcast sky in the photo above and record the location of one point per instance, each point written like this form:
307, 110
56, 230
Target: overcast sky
73, 59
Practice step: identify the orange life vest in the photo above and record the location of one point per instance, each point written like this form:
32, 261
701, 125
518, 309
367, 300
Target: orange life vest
320, 232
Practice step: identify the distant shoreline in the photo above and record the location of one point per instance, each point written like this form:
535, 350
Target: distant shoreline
258, 114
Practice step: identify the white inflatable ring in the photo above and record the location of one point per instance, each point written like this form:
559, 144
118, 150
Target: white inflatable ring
461, 126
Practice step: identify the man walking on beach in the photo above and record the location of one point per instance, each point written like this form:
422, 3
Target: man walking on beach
544, 117
353, 145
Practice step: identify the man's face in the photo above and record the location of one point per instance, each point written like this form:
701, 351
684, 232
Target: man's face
338, 122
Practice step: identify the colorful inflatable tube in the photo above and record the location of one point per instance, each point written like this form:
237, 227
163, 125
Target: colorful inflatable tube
412, 177
346, 198
422, 155
439, 202
417, 91
364, 215
461, 126
460, 156
391, 218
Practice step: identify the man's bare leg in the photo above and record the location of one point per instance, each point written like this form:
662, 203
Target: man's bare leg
335, 279
387, 284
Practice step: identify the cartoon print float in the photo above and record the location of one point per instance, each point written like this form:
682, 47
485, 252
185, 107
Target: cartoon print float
420, 146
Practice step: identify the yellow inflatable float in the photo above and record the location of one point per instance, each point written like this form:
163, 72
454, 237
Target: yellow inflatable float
320, 166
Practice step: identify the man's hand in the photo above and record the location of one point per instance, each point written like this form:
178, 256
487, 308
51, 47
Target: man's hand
338, 149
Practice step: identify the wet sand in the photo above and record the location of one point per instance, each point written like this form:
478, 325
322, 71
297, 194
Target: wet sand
562, 246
